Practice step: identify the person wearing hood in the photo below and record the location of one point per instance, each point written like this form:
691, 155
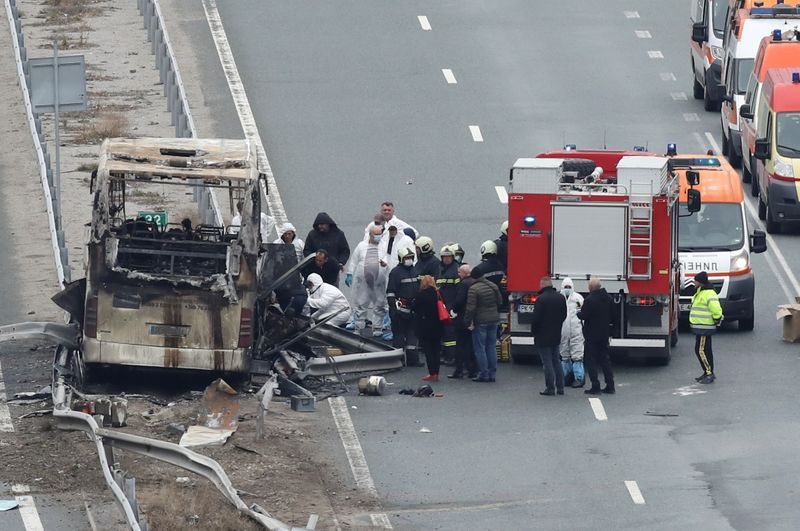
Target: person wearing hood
597, 314
327, 235
367, 274
571, 348
325, 300
288, 234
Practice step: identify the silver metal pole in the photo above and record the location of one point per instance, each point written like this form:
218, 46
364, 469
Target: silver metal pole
57, 173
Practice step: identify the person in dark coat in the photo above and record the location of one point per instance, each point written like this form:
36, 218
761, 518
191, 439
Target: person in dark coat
324, 266
427, 325
502, 245
447, 282
401, 290
327, 235
548, 316
465, 354
597, 315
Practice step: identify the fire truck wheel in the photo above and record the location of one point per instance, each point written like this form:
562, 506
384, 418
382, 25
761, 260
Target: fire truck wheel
747, 325
697, 88
773, 227
762, 209
584, 167
754, 191
673, 338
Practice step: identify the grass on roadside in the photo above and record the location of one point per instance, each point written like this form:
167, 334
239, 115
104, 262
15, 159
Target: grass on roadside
108, 125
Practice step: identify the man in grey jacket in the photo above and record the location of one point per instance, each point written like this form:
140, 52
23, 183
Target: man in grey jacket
483, 315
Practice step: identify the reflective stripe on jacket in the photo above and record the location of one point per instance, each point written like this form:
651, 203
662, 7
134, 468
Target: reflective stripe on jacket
706, 311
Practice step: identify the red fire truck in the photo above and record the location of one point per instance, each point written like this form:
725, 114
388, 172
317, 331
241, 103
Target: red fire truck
609, 214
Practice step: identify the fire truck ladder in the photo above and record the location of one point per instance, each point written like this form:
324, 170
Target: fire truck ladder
640, 231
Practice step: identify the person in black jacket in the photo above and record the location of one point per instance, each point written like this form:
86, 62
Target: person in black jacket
401, 290
327, 235
596, 314
548, 316
447, 282
465, 354
427, 325
324, 266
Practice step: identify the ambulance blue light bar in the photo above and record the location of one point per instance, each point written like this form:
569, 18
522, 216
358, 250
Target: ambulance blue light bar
795, 77
570, 147
779, 10
694, 162
672, 150
776, 35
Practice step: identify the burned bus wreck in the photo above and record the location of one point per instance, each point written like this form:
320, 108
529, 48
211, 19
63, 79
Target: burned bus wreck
161, 290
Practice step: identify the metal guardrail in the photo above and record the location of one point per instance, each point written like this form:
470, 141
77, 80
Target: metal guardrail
174, 91
37, 133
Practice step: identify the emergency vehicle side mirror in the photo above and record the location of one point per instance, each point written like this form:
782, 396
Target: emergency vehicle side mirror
758, 242
699, 32
693, 200
746, 112
693, 177
762, 149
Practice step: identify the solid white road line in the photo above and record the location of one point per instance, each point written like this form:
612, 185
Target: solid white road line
502, 194
631, 14
27, 509
5, 415
449, 77
771, 244
475, 131
355, 454
599, 410
643, 34
636, 494
655, 54
243, 109
423, 22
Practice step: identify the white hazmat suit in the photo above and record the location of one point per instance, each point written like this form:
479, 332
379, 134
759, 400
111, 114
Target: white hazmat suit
327, 300
571, 348
370, 273
297, 242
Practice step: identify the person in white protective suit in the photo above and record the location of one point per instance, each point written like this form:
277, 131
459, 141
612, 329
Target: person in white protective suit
367, 274
326, 300
571, 348
288, 234
392, 241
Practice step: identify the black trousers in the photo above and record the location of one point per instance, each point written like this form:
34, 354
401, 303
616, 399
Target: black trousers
702, 349
433, 351
404, 336
596, 354
449, 341
465, 355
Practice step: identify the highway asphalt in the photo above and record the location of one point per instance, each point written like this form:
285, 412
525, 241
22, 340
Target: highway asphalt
354, 108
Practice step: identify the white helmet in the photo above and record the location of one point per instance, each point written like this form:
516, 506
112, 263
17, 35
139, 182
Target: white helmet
504, 227
424, 244
405, 253
447, 250
488, 247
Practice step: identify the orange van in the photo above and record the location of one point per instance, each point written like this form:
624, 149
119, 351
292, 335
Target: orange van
774, 52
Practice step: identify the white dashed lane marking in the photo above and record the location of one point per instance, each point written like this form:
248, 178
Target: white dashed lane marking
643, 34
27, 508
502, 194
655, 54
667, 76
475, 131
5, 415
678, 96
636, 494
448, 76
423, 22
631, 14
598, 409
691, 117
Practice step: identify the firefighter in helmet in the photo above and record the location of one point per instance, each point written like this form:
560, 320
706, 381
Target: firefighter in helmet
401, 288
458, 252
447, 283
490, 267
427, 264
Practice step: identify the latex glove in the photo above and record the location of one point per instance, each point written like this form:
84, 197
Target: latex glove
349, 279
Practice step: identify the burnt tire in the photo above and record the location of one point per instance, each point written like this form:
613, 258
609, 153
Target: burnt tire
747, 177
584, 167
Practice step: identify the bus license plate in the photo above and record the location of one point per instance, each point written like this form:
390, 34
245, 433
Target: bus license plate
526, 308
686, 307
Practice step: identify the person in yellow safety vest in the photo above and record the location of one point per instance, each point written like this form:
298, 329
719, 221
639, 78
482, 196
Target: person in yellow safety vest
705, 317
